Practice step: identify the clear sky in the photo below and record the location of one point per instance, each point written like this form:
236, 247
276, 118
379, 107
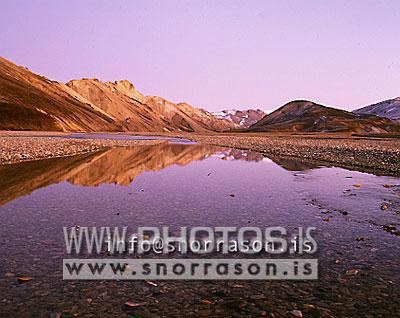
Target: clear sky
215, 54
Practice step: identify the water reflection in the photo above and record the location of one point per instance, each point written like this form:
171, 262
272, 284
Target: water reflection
122, 165
352, 228
286, 163
119, 165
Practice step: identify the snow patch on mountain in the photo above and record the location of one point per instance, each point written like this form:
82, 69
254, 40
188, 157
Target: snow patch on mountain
244, 118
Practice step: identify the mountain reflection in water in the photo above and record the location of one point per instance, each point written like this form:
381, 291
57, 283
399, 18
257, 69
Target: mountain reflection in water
119, 165
356, 217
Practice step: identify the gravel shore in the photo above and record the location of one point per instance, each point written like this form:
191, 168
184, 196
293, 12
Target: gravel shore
371, 154
18, 149
378, 155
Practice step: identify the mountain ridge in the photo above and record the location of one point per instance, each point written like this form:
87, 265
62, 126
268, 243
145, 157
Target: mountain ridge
136, 112
307, 116
389, 108
244, 118
29, 101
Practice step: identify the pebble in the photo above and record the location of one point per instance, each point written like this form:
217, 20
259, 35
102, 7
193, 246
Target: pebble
297, 313
352, 272
384, 206
134, 305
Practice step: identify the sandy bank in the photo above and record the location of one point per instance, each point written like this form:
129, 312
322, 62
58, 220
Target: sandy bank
373, 154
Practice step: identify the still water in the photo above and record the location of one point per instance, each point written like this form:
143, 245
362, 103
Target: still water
357, 216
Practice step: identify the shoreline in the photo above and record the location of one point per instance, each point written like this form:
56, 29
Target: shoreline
374, 155
379, 156
16, 149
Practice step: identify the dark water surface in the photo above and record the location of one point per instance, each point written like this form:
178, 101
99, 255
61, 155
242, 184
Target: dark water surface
192, 185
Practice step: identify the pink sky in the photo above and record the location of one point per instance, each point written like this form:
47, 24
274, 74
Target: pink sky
215, 54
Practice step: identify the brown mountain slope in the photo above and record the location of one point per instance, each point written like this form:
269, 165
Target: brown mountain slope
32, 102
307, 116
207, 119
136, 112
187, 117
123, 105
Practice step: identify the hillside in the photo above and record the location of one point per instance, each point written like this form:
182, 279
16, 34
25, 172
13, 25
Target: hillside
136, 112
29, 101
389, 109
32, 102
307, 116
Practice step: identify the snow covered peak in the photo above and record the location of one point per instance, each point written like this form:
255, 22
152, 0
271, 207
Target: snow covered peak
244, 118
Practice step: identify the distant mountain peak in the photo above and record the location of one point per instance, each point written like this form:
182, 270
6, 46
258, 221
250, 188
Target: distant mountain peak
243, 118
389, 108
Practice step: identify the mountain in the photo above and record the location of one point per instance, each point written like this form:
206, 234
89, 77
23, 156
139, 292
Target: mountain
389, 109
243, 118
121, 101
186, 117
32, 102
29, 101
307, 116
209, 120
134, 111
